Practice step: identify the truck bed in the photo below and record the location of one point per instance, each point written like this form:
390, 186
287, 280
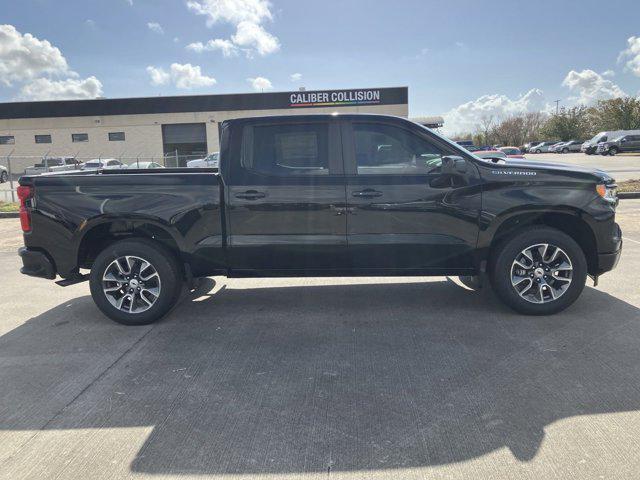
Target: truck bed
73, 209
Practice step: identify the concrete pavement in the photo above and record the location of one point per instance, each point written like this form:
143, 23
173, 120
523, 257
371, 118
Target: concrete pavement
353, 378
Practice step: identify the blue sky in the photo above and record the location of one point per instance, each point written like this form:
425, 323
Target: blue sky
461, 58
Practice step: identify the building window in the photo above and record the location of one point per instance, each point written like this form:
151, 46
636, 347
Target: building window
43, 138
79, 137
116, 136
7, 140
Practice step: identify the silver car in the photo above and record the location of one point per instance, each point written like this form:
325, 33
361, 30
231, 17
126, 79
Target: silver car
543, 147
570, 146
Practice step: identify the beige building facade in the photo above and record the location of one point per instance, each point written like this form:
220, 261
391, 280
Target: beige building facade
161, 128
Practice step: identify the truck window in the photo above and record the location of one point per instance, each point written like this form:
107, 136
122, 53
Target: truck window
387, 149
285, 150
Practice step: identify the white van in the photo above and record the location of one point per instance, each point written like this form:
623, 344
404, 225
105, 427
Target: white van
591, 146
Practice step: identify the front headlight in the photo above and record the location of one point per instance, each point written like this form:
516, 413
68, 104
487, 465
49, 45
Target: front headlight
608, 192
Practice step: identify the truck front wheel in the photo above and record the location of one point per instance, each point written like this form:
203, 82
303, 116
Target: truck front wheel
135, 282
539, 271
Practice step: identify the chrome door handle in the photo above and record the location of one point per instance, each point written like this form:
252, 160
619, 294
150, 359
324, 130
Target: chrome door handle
367, 193
251, 195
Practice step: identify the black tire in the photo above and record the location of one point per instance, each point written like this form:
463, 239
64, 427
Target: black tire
538, 151
509, 250
565, 150
613, 151
4, 177
164, 263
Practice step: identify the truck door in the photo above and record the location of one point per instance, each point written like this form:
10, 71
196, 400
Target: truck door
286, 198
412, 206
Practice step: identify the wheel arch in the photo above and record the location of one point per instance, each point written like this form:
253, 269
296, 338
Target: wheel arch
569, 222
101, 234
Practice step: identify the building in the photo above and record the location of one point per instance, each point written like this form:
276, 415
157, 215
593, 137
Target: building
168, 128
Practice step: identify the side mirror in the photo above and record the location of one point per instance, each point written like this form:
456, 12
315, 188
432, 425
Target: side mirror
453, 164
623, 140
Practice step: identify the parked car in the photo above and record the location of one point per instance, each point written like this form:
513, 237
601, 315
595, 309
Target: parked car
570, 146
526, 148
210, 161
328, 195
590, 147
626, 143
4, 174
53, 164
144, 165
103, 164
512, 152
491, 154
543, 147
554, 148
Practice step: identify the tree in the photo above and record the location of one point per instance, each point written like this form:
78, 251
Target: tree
569, 124
617, 114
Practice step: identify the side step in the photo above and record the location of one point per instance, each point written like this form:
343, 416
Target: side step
72, 280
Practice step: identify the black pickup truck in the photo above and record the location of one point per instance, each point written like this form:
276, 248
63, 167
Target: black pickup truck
323, 195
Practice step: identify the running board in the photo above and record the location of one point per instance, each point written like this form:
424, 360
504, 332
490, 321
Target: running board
72, 280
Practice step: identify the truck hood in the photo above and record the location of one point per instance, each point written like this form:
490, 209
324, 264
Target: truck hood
587, 173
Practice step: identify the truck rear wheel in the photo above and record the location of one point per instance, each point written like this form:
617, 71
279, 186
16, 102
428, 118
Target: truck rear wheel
539, 271
135, 282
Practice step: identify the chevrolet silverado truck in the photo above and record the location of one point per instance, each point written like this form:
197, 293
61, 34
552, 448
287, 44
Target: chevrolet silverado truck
323, 195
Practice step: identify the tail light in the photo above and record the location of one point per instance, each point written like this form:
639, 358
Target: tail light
24, 194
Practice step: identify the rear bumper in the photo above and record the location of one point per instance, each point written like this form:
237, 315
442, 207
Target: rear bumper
36, 264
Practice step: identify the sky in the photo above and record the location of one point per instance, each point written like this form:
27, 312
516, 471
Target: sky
462, 59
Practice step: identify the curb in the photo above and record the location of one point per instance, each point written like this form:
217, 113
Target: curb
9, 215
628, 195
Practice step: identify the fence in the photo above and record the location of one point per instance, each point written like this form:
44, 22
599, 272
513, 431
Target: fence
12, 167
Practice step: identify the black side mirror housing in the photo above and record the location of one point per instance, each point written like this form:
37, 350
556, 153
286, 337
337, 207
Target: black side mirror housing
453, 164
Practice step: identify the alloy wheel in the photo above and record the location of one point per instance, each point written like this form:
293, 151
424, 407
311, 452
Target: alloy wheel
131, 284
541, 273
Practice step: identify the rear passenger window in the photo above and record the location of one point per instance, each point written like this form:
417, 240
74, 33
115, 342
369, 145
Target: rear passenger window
285, 150
391, 150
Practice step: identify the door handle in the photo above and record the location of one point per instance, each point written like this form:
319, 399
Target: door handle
251, 195
367, 193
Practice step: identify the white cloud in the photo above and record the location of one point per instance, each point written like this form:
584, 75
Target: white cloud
253, 36
260, 84
90, 23
466, 117
232, 11
608, 73
227, 47
295, 77
155, 27
590, 86
632, 55
69, 89
183, 76
23, 57
158, 76
247, 16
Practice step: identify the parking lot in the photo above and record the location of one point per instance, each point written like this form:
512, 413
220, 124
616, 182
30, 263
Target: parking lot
314, 378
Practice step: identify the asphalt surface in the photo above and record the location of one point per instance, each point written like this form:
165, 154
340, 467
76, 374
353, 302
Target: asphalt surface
363, 378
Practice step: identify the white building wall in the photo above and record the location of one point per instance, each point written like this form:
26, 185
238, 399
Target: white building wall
143, 132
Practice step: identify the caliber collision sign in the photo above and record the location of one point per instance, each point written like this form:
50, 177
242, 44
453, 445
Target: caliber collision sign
333, 98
